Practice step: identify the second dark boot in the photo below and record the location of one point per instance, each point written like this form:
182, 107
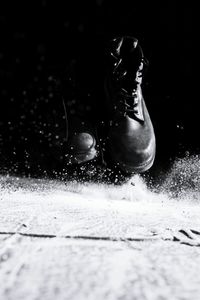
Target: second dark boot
81, 142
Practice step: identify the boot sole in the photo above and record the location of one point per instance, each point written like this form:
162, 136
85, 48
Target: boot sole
141, 168
80, 158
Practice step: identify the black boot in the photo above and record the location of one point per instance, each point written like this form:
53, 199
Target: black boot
81, 145
131, 139
81, 142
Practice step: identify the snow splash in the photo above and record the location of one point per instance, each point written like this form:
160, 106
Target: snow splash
182, 182
132, 211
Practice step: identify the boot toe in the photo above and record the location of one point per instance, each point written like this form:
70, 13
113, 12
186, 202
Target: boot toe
82, 148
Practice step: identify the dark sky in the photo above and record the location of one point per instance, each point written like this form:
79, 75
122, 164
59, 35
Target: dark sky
41, 37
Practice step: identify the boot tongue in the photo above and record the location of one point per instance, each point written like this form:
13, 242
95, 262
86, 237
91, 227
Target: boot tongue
127, 60
131, 55
128, 45
121, 46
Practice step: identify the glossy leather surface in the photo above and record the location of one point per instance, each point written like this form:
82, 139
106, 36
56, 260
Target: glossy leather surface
131, 143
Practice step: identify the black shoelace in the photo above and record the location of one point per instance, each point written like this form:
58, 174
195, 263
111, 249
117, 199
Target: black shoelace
128, 104
127, 97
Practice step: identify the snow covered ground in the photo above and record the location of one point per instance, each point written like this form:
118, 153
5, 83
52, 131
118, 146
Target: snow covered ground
75, 241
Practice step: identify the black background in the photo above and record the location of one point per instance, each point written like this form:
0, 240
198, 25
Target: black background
40, 38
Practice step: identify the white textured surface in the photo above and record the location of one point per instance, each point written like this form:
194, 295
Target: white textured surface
76, 242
